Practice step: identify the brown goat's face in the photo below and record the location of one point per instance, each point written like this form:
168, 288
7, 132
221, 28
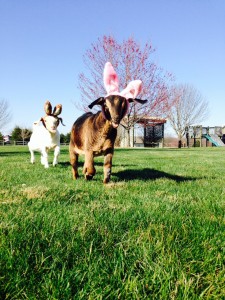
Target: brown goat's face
114, 109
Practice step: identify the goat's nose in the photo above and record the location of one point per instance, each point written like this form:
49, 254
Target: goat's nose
116, 119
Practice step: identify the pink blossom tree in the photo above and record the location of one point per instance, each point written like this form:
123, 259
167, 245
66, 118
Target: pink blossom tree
131, 61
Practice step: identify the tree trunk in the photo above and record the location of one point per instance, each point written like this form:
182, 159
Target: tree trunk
128, 138
179, 144
188, 141
133, 137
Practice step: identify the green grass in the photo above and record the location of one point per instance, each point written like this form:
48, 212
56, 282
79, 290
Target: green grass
157, 231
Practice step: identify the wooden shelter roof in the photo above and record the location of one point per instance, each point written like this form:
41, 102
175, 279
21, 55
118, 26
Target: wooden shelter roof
151, 121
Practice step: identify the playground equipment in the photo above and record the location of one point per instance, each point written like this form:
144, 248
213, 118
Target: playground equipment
199, 134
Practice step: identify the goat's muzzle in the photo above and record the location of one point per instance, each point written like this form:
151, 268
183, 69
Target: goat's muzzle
115, 122
53, 129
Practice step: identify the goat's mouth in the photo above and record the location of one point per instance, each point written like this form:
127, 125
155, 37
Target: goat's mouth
115, 122
115, 125
53, 129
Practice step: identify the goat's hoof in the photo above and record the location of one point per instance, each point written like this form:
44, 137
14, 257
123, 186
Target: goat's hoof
105, 181
88, 177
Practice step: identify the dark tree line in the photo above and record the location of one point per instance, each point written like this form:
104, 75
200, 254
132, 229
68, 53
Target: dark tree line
65, 138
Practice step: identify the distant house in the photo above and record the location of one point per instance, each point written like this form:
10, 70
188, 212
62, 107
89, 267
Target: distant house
7, 139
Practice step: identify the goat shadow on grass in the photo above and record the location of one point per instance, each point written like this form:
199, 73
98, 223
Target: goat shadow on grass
150, 174
65, 164
13, 153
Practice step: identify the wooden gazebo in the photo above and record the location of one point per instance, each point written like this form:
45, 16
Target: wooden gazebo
153, 131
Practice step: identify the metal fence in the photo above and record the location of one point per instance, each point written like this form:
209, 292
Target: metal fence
21, 143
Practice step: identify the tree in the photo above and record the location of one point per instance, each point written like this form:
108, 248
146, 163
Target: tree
189, 107
16, 133
25, 134
62, 138
21, 134
131, 61
65, 138
5, 115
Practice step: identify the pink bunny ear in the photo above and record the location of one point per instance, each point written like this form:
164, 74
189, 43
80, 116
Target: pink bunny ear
110, 79
132, 89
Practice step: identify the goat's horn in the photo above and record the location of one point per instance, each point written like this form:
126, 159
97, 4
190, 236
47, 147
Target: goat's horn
48, 108
57, 110
60, 119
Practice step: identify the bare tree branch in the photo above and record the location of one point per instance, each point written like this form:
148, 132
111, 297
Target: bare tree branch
189, 108
5, 114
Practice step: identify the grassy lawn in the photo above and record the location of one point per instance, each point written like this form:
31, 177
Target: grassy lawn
157, 231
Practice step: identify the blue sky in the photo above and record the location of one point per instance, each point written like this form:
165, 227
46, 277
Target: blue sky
42, 44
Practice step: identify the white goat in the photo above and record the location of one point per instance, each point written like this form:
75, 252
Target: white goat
46, 136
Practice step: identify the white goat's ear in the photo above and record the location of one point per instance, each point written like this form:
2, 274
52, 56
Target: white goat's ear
36, 123
43, 122
48, 108
57, 110
137, 100
99, 101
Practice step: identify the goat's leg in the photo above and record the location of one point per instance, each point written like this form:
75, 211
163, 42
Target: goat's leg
56, 154
89, 169
44, 158
107, 167
32, 158
74, 163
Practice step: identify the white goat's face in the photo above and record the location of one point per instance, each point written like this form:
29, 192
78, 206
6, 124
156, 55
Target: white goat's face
51, 123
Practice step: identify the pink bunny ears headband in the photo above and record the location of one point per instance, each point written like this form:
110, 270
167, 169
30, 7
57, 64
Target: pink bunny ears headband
111, 83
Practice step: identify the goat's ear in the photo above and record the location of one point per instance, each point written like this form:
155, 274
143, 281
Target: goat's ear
57, 110
43, 121
137, 100
99, 101
48, 108
37, 122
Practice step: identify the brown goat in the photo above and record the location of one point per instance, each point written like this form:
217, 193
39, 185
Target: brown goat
95, 134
